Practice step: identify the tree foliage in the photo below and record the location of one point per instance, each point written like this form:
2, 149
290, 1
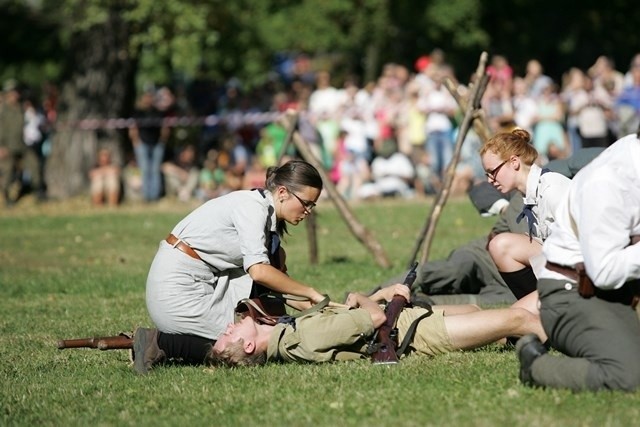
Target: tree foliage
179, 39
102, 51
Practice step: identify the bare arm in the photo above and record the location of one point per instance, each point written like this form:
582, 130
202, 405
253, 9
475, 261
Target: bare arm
386, 294
276, 280
362, 301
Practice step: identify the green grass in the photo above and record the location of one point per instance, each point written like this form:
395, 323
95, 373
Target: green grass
70, 272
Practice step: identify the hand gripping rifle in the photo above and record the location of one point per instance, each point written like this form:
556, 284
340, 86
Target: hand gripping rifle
385, 341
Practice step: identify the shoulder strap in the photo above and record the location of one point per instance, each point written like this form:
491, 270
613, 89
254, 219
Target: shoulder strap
408, 338
257, 310
316, 307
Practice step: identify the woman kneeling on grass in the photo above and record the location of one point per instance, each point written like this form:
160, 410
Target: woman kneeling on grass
215, 257
343, 334
509, 158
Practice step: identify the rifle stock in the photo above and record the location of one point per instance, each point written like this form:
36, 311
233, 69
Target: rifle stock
387, 334
117, 342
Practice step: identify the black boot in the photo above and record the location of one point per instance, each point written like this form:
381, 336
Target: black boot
146, 352
529, 348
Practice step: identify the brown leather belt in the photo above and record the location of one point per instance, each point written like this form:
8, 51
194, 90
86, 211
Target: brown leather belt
571, 273
182, 246
628, 294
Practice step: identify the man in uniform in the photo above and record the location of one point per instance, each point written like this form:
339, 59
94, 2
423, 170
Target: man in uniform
333, 334
589, 286
12, 146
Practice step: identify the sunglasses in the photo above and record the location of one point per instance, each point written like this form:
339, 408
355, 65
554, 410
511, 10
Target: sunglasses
308, 205
492, 173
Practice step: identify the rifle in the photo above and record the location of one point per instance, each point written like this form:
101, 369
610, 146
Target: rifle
385, 341
122, 341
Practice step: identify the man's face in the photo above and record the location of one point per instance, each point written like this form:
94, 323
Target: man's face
245, 329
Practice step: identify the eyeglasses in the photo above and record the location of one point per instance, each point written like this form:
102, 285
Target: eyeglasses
492, 173
308, 205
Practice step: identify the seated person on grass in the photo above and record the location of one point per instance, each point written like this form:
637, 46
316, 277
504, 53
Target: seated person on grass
333, 334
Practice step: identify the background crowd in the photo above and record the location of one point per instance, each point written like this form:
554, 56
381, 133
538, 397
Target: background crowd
391, 137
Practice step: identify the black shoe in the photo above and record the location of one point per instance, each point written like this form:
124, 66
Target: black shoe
146, 352
528, 348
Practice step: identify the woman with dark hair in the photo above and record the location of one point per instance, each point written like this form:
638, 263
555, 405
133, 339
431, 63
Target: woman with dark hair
216, 256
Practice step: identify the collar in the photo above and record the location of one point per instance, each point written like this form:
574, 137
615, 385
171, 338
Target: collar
530, 197
273, 344
267, 197
272, 211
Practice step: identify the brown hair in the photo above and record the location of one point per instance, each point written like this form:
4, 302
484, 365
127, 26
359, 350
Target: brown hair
514, 143
234, 355
293, 175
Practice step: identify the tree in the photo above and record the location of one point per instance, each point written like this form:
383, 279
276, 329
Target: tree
104, 41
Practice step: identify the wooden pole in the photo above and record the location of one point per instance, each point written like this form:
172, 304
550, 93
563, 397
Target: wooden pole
428, 231
290, 123
357, 229
480, 124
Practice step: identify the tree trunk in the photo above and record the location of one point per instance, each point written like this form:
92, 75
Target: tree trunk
99, 84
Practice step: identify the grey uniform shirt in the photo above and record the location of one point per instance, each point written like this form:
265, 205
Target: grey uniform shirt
544, 193
229, 233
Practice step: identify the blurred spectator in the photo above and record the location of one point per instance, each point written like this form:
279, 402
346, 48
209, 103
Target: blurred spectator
350, 169
575, 97
12, 146
212, 179
500, 71
425, 181
469, 170
324, 104
35, 129
592, 117
391, 172
524, 106
105, 180
549, 135
181, 175
535, 79
254, 177
132, 180
605, 76
628, 103
149, 137
272, 139
440, 107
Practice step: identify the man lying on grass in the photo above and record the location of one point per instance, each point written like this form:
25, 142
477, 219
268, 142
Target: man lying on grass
343, 333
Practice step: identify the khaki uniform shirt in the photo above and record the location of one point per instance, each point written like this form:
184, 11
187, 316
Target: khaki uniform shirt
343, 334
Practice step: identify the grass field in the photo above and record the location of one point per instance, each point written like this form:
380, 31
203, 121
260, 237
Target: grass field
68, 271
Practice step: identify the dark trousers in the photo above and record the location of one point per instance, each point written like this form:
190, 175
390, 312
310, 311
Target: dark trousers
601, 339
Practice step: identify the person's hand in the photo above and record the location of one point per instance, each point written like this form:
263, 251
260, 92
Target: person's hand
319, 297
315, 297
352, 300
338, 305
4, 153
389, 292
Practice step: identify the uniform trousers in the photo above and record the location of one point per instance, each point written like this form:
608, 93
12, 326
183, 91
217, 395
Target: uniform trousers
601, 339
